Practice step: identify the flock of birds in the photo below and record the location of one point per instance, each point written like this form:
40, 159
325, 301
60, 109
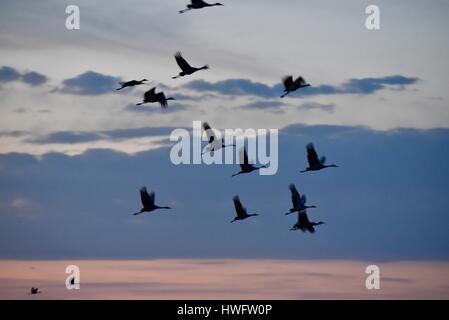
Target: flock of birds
298, 201
290, 85
315, 163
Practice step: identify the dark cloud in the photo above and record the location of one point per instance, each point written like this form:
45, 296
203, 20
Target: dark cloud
372, 204
138, 132
362, 86
263, 105
317, 106
15, 133
277, 105
90, 83
33, 78
8, 74
68, 137
235, 87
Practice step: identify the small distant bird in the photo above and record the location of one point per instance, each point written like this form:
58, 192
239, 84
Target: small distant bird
131, 83
151, 96
186, 68
240, 210
199, 4
35, 290
246, 167
290, 85
299, 202
148, 201
315, 164
304, 224
213, 143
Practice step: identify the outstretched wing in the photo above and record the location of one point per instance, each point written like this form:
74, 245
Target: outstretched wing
147, 199
197, 2
296, 199
239, 209
150, 94
301, 81
182, 63
209, 132
323, 160
160, 97
312, 157
287, 80
303, 219
303, 199
245, 156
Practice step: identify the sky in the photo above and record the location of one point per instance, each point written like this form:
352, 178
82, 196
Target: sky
225, 279
74, 151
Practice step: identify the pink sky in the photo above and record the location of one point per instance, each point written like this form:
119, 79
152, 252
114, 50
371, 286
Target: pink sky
223, 279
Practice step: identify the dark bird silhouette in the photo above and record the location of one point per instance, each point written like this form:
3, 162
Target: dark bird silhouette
35, 290
185, 66
131, 83
213, 143
199, 4
304, 224
151, 96
240, 210
315, 164
298, 201
246, 167
148, 201
290, 85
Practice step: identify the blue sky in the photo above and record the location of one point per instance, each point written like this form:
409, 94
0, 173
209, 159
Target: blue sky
74, 152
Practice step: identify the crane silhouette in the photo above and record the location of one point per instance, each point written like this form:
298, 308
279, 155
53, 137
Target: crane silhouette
34, 290
131, 83
304, 224
246, 167
148, 201
290, 85
213, 142
151, 96
199, 4
240, 210
315, 164
186, 68
298, 201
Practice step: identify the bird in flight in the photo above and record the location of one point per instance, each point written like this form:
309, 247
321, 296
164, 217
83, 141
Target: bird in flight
246, 167
199, 4
148, 201
240, 210
214, 142
290, 85
35, 290
131, 83
151, 96
315, 164
304, 224
186, 68
298, 201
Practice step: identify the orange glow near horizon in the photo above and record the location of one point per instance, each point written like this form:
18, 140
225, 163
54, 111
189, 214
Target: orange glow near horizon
223, 279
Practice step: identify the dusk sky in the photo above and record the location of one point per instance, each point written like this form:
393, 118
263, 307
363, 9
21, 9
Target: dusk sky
74, 151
